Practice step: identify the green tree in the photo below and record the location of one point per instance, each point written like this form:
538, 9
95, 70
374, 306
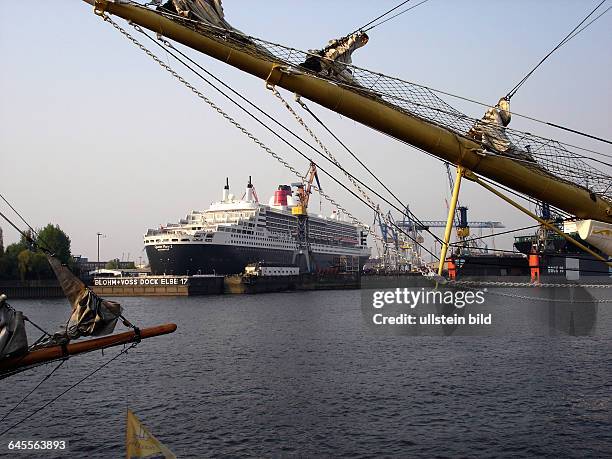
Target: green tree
41, 269
20, 262
24, 264
52, 238
9, 268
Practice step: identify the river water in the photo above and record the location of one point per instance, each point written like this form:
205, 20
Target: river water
301, 374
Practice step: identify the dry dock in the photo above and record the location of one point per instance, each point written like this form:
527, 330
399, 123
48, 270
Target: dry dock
239, 283
215, 285
158, 286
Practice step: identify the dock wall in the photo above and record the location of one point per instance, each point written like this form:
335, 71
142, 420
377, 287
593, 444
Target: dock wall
31, 289
187, 285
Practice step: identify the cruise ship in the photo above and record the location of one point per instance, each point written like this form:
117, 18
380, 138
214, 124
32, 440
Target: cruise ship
233, 233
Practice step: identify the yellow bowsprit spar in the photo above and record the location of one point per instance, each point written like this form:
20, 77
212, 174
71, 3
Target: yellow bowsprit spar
408, 112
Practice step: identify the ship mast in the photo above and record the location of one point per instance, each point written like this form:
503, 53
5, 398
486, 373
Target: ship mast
440, 142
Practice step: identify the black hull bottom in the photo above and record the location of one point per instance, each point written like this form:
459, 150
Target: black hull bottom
223, 259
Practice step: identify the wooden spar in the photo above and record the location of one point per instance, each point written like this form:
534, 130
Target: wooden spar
440, 142
58, 352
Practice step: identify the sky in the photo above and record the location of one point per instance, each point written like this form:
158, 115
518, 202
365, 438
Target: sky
96, 137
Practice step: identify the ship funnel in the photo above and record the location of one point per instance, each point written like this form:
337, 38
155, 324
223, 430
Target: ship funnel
226, 189
280, 195
249, 191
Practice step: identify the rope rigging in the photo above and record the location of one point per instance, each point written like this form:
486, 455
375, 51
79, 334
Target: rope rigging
396, 15
567, 38
382, 15
406, 213
527, 198
42, 407
26, 236
23, 399
374, 176
334, 160
536, 120
404, 208
446, 93
236, 124
552, 158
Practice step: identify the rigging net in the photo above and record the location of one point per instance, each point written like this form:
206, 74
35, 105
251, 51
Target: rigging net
551, 157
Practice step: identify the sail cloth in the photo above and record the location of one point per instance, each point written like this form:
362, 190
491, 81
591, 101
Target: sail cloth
140, 443
91, 315
207, 11
491, 131
13, 338
336, 57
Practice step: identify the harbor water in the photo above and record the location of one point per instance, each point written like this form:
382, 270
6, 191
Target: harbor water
301, 374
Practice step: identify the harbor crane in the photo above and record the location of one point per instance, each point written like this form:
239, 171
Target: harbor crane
462, 226
303, 191
424, 225
396, 239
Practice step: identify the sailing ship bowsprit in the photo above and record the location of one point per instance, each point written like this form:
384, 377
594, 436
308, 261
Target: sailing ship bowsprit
91, 316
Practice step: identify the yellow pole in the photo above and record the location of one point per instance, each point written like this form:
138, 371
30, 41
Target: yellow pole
449, 221
548, 225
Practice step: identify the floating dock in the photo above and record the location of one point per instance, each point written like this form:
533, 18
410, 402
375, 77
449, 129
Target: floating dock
265, 284
216, 285
158, 285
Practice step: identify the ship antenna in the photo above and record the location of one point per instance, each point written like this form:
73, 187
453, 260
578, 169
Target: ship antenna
227, 183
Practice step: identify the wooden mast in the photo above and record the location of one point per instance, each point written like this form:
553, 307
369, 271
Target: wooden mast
57, 352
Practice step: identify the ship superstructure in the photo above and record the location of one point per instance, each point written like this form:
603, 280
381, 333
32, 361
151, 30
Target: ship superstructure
234, 232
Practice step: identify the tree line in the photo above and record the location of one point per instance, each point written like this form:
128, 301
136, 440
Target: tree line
26, 261
22, 260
